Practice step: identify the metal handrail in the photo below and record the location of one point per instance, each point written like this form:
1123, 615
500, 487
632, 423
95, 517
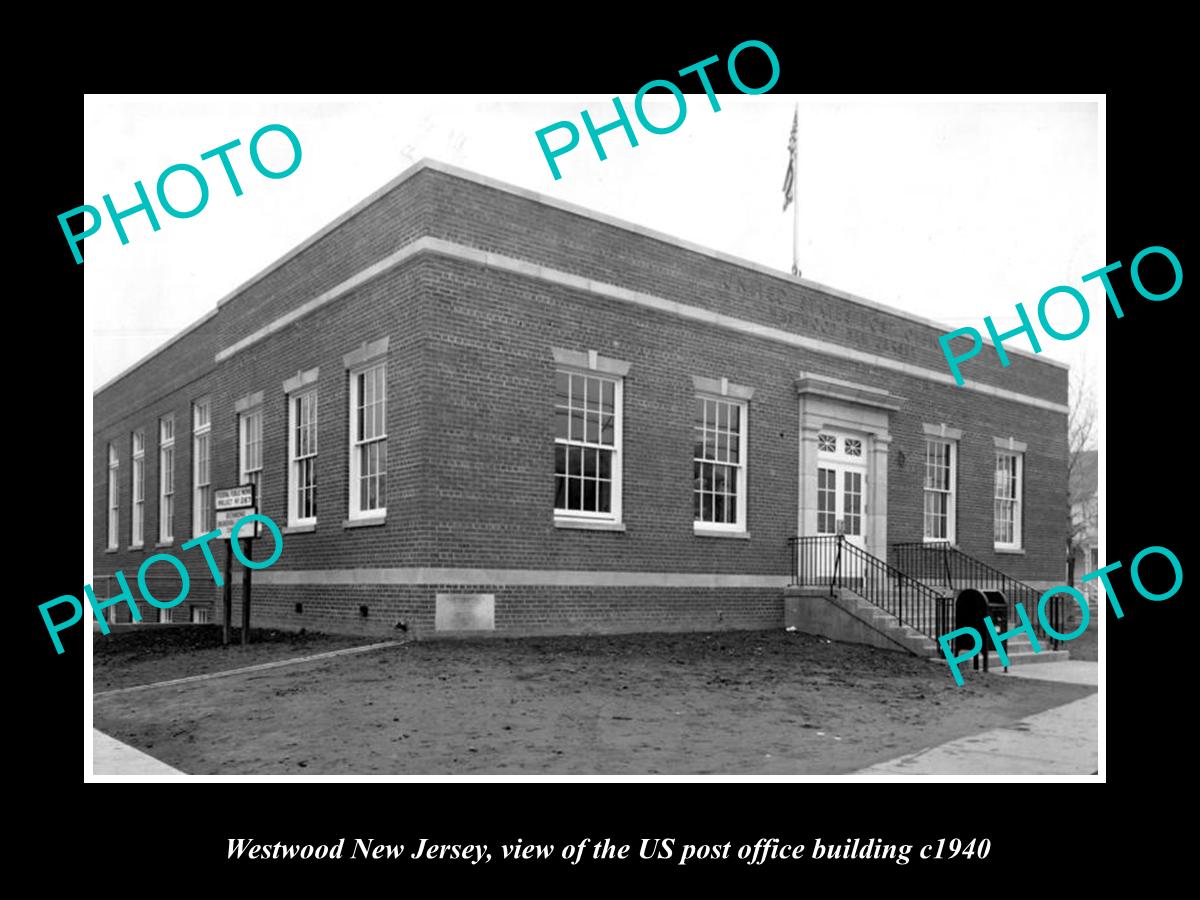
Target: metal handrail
960, 570
830, 561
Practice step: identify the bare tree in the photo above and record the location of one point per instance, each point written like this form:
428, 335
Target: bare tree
1081, 438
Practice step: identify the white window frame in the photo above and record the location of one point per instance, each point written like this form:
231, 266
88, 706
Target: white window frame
699, 526
1017, 501
137, 537
294, 462
589, 517
246, 474
202, 436
114, 498
166, 479
952, 494
355, 510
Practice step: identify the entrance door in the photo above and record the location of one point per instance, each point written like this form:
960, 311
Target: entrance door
840, 502
841, 489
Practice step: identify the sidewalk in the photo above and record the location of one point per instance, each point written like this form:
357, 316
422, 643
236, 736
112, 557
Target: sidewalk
111, 757
1059, 741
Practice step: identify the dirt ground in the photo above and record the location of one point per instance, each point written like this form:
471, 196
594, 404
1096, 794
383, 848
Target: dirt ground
727, 702
132, 655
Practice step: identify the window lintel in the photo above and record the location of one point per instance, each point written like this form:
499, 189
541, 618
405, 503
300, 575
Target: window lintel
368, 352
300, 380
591, 361
248, 402
722, 387
1010, 444
942, 430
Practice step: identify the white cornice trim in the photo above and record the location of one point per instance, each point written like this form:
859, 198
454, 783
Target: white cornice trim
451, 250
694, 313
466, 175
317, 302
157, 350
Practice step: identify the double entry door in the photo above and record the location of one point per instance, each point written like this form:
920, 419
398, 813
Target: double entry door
842, 489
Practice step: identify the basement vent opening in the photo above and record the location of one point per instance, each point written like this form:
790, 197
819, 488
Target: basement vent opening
299, 607
362, 611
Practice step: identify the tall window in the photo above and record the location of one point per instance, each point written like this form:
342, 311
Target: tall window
139, 489
302, 448
587, 447
719, 464
201, 457
166, 479
1008, 499
368, 441
113, 499
250, 425
940, 487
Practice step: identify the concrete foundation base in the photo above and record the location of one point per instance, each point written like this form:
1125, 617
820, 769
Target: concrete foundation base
844, 616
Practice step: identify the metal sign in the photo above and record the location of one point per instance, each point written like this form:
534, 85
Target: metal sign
227, 518
240, 497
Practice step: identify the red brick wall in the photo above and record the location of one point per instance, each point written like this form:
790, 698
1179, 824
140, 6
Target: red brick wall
497, 221
496, 489
470, 419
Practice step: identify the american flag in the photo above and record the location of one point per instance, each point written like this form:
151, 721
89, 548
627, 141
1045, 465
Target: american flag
789, 180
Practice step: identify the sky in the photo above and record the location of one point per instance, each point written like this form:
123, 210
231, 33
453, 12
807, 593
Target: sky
951, 209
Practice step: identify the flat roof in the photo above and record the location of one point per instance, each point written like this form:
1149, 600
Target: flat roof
467, 175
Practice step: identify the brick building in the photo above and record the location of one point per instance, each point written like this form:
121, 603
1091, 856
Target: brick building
471, 406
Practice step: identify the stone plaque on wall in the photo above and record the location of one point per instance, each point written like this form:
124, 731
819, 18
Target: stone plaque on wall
465, 612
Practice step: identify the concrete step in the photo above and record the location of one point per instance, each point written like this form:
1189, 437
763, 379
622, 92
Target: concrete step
1018, 658
1019, 647
917, 642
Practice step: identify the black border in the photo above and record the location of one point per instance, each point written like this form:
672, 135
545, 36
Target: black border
153, 830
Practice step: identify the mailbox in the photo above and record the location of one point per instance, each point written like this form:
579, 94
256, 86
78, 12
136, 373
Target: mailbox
971, 606
997, 609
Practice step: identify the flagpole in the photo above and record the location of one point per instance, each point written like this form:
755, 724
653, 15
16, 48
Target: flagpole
796, 226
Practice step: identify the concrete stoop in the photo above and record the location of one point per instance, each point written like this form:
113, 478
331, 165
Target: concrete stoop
846, 616
1020, 652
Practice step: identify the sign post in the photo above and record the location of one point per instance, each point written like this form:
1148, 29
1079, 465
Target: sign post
231, 504
228, 594
247, 543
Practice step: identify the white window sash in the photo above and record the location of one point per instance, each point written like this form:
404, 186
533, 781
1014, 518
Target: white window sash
355, 510
949, 492
614, 515
201, 466
166, 481
138, 528
114, 500
1013, 502
741, 467
296, 462
246, 473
